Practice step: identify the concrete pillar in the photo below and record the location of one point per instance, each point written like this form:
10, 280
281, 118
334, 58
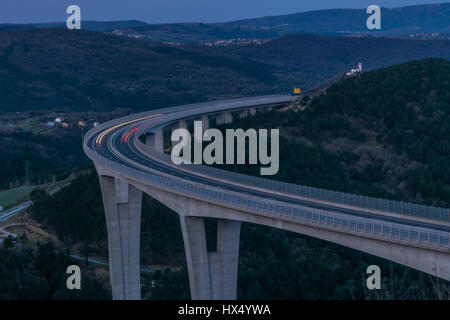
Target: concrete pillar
252, 111
182, 124
212, 275
194, 238
122, 203
228, 117
205, 122
159, 141
223, 263
220, 119
155, 140
150, 140
224, 118
243, 114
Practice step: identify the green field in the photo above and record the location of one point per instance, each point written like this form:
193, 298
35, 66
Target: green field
13, 196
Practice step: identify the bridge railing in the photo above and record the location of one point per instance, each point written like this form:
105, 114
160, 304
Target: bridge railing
419, 236
343, 222
343, 198
327, 219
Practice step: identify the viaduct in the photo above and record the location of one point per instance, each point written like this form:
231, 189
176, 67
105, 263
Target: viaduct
128, 154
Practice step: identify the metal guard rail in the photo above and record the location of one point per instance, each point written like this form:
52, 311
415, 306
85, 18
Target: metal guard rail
393, 232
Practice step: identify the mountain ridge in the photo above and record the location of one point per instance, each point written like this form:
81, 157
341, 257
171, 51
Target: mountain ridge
419, 21
86, 70
339, 20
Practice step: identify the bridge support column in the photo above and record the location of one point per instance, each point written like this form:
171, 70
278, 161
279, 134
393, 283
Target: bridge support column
205, 122
243, 114
220, 119
212, 275
223, 264
228, 117
182, 124
155, 140
122, 203
252, 111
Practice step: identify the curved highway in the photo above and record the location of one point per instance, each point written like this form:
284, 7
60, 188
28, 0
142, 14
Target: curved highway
116, 142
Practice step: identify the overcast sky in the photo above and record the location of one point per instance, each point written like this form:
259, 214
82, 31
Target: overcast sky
161, 11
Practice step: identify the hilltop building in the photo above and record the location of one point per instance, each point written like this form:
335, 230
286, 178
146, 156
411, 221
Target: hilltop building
355, 71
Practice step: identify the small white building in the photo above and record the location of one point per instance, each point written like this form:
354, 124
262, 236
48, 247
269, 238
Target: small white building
355, 70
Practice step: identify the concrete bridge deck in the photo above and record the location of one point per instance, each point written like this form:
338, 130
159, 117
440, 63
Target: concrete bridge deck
413, 235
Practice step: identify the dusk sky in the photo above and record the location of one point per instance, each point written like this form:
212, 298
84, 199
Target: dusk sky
162, 11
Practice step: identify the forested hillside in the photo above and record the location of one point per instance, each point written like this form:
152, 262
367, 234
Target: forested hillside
83, 70
384, 133
47, 157
82, 221
396, 21
30, 271
307, 60
430, 20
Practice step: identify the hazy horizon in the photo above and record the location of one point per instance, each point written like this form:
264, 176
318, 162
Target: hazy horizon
158, 11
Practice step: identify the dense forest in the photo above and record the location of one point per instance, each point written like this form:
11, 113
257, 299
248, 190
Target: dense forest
93, 71
374, 134
38, 272
48, 157
386, 131
83, 221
